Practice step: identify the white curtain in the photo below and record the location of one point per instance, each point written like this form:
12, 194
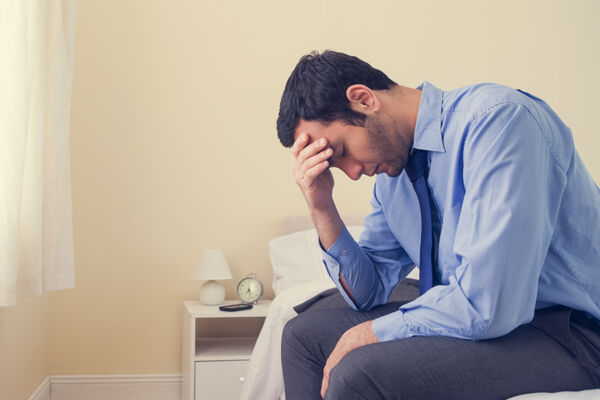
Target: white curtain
36, 64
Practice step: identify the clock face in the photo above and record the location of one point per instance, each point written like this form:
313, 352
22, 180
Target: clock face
249, 290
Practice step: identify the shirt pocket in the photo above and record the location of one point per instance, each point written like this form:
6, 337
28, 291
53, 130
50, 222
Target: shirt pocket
448, 261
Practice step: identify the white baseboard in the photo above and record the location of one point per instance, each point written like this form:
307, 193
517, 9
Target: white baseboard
113, 387
43, 391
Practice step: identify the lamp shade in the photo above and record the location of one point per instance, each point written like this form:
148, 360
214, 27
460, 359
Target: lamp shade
212, 265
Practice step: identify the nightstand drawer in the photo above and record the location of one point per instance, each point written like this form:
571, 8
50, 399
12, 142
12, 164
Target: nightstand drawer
219, 379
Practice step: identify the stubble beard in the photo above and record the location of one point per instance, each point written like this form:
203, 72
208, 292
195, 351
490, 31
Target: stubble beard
388, 144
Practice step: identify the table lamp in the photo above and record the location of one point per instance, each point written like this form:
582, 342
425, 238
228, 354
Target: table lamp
210, 267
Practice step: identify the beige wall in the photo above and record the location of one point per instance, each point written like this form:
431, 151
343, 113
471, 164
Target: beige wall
174, 147
24, 347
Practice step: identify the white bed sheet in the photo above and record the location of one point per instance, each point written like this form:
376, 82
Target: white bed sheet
264, 378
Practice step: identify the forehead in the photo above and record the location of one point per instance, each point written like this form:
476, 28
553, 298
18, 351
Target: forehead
316, 130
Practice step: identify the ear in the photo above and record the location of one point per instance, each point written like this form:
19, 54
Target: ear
362, 99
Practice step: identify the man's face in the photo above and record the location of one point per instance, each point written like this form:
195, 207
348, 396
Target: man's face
378, 147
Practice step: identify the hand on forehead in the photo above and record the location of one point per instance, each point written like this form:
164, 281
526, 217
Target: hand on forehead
310, 144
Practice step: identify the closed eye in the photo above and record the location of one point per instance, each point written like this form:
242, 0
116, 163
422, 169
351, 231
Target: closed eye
337, 156
338, 151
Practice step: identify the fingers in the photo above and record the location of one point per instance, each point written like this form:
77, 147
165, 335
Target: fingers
311, 170
325, 382
333, 360
311, 159
299, 144
302, 150
315, 171
315, 160
306, 175
312, 148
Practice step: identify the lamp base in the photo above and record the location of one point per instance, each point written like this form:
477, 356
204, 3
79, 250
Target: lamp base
212, 293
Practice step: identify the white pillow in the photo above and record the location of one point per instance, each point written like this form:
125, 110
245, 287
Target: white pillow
296, 258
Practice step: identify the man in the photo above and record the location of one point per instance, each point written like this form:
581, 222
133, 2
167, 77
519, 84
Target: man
482, 188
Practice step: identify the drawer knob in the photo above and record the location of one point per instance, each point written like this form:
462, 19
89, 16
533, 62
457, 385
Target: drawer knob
242, 379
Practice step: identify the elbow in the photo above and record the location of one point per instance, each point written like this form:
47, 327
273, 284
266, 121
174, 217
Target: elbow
491, 328
482, 330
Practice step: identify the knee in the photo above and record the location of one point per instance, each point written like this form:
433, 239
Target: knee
353, 379
295, 332
346, 382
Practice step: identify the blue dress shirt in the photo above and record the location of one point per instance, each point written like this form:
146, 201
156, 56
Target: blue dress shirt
520, 221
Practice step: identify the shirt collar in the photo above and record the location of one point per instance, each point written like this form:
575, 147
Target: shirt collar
428, 129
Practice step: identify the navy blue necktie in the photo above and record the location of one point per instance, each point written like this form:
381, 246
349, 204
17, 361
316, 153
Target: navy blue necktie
416, 169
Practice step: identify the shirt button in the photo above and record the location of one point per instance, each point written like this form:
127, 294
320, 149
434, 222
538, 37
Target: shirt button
344, 252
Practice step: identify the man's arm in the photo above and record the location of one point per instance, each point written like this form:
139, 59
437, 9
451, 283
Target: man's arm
329, 225
316, 182
365, 275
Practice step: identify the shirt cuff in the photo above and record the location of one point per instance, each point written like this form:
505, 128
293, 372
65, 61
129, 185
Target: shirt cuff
343, 253
341, 250
391, 327
341, 246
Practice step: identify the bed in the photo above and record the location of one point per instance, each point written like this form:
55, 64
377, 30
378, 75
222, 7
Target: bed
299, 274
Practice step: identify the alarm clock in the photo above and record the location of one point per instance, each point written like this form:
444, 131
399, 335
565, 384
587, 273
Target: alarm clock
250, 289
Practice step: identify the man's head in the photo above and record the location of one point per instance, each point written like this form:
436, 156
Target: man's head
354, 106
316, 91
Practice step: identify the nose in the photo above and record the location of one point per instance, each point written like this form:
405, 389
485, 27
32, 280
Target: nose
352, 169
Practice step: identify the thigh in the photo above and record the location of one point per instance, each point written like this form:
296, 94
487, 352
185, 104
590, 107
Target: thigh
324, 318
524, 361
319, 329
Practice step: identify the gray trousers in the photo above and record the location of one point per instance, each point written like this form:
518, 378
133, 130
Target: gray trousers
558, 351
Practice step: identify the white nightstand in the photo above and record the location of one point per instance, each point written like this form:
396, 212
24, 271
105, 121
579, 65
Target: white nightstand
216, 349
